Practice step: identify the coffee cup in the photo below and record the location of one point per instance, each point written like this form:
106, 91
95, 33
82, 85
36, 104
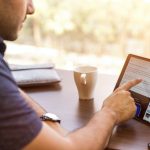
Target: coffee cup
85, 78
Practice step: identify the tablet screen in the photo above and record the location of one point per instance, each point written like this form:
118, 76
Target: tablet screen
138, 67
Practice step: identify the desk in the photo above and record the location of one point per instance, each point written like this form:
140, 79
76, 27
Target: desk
63, 100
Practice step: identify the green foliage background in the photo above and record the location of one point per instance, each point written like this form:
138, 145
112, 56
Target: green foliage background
90, 26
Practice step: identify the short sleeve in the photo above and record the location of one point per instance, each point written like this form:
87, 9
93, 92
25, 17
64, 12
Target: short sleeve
19, 124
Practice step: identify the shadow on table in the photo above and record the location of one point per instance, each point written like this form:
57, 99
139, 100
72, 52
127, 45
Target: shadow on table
51, 87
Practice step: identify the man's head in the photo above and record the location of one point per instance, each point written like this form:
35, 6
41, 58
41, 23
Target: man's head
12, 16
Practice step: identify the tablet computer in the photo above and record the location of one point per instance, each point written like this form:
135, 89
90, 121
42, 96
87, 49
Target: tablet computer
138, 67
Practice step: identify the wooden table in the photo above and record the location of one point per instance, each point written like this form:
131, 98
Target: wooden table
62, 99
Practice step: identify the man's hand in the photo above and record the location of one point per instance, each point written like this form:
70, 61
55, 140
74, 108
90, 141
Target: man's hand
121, 103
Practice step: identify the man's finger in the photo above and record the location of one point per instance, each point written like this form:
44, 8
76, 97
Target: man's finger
128, 85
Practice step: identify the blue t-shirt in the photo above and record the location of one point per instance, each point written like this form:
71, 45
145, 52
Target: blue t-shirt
19, 124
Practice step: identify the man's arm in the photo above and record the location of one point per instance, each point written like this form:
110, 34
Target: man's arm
118, 107
37, 108
105, 116
40, 111
93, 136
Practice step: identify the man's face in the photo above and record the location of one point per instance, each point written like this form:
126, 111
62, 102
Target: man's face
12, 16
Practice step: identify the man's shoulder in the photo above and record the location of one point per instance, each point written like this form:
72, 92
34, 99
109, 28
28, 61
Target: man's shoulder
7, 81
3, 64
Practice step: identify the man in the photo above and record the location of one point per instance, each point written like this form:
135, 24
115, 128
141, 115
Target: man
20, 123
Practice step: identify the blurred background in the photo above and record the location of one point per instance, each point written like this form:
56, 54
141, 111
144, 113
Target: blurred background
78, 32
